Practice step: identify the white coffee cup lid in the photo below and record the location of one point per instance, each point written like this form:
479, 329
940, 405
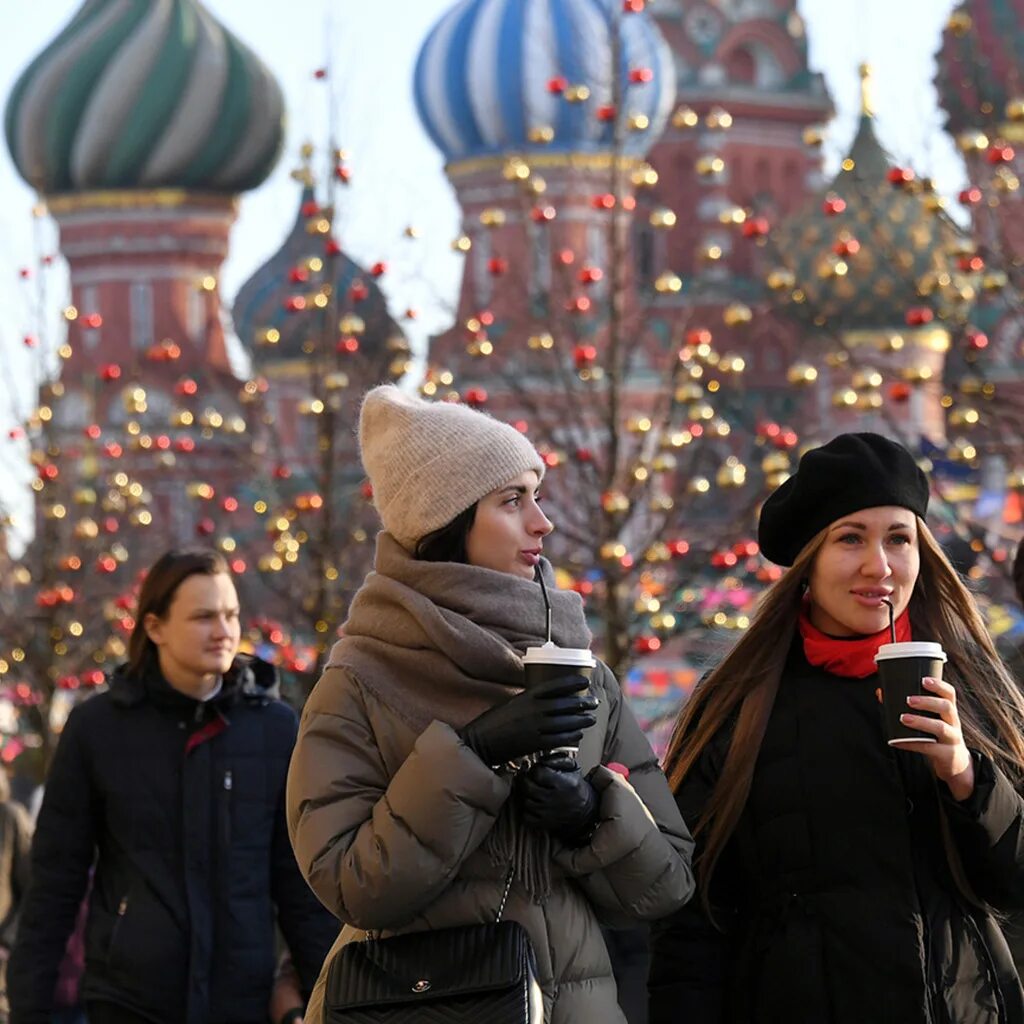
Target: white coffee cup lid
911, 649
551, 654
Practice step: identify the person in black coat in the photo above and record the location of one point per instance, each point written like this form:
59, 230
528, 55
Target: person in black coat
172, 782
843, 880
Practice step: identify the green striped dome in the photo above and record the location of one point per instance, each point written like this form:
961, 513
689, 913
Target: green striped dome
142, 94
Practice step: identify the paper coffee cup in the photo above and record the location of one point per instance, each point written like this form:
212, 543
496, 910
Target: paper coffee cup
550, 661
901, 669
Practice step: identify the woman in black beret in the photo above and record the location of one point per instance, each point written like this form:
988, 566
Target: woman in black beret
843, 880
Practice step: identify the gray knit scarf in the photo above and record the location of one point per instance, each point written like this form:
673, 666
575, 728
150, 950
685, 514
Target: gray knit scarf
444, 641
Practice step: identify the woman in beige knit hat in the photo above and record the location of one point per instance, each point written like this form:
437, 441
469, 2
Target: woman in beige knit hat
399, 794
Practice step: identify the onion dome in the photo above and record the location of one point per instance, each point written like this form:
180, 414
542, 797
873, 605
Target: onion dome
980, 64
520, 76
145, 95
273, 308
872, 250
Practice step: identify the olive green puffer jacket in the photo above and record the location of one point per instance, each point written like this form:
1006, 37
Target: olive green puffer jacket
387, 823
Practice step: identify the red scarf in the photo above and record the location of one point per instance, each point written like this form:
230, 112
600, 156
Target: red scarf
852, 657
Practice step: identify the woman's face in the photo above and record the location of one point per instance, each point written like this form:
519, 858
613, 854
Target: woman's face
509, 528
867, 556
198, 637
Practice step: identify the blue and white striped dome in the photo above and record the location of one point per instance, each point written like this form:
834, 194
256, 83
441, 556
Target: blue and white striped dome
482, 77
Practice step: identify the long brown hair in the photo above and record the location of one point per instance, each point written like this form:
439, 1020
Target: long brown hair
168, 573
746, 682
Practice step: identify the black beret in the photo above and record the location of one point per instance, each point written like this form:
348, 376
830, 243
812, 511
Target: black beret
851, 472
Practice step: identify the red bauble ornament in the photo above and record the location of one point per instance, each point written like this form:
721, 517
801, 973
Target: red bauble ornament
977, 340
343, 173
379, 269
295, 303
566, 257
846, 247
638, 76
281, 473
185, 445
899, 391
238, 566
106, 564
971, 196
93, 431
298, 275
918, 316
496, 266
558, 84
113, 450
367, 490
205, 527
971, 264
358, 291
833, 205
633, 6
30, 341
603, 201
899, 175
698, 336
581, 304
540, 214
584, 455
310, 208
678, 548
606, 112
647, 644
347, 346
93, 321
590, 275
332, 247
186, 386
475, 397
584, 356
756, 227
1000, 153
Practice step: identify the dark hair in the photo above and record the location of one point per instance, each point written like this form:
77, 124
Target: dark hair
448, 544
162, 580
1018, 572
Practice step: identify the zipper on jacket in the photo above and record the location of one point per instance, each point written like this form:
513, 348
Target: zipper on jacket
225, 809
122, 909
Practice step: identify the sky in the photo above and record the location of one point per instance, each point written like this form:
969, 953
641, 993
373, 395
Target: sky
398, 179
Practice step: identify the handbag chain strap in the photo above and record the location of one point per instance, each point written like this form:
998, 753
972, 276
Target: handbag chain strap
504, 895
372, 934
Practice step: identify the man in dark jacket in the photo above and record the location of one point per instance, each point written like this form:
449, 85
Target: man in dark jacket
172, 783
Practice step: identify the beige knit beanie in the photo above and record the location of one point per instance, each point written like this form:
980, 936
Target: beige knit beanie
429, 461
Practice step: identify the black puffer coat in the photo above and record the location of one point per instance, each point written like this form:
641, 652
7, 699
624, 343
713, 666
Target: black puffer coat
837, 903
182, 803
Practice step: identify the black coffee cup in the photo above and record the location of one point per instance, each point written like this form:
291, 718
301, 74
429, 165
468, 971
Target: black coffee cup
553, 662
901, 669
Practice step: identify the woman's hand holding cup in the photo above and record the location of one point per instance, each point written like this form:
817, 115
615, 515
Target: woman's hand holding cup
553, 713
945, 749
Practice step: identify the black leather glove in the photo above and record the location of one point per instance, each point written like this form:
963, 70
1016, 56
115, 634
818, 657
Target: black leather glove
558, 799
553, 714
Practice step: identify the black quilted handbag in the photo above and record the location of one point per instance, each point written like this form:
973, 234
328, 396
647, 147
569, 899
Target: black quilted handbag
473, 974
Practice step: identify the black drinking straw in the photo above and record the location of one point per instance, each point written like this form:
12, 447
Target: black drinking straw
892, 621
547, 602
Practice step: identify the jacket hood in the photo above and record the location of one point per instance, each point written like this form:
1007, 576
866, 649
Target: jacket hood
249, 678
